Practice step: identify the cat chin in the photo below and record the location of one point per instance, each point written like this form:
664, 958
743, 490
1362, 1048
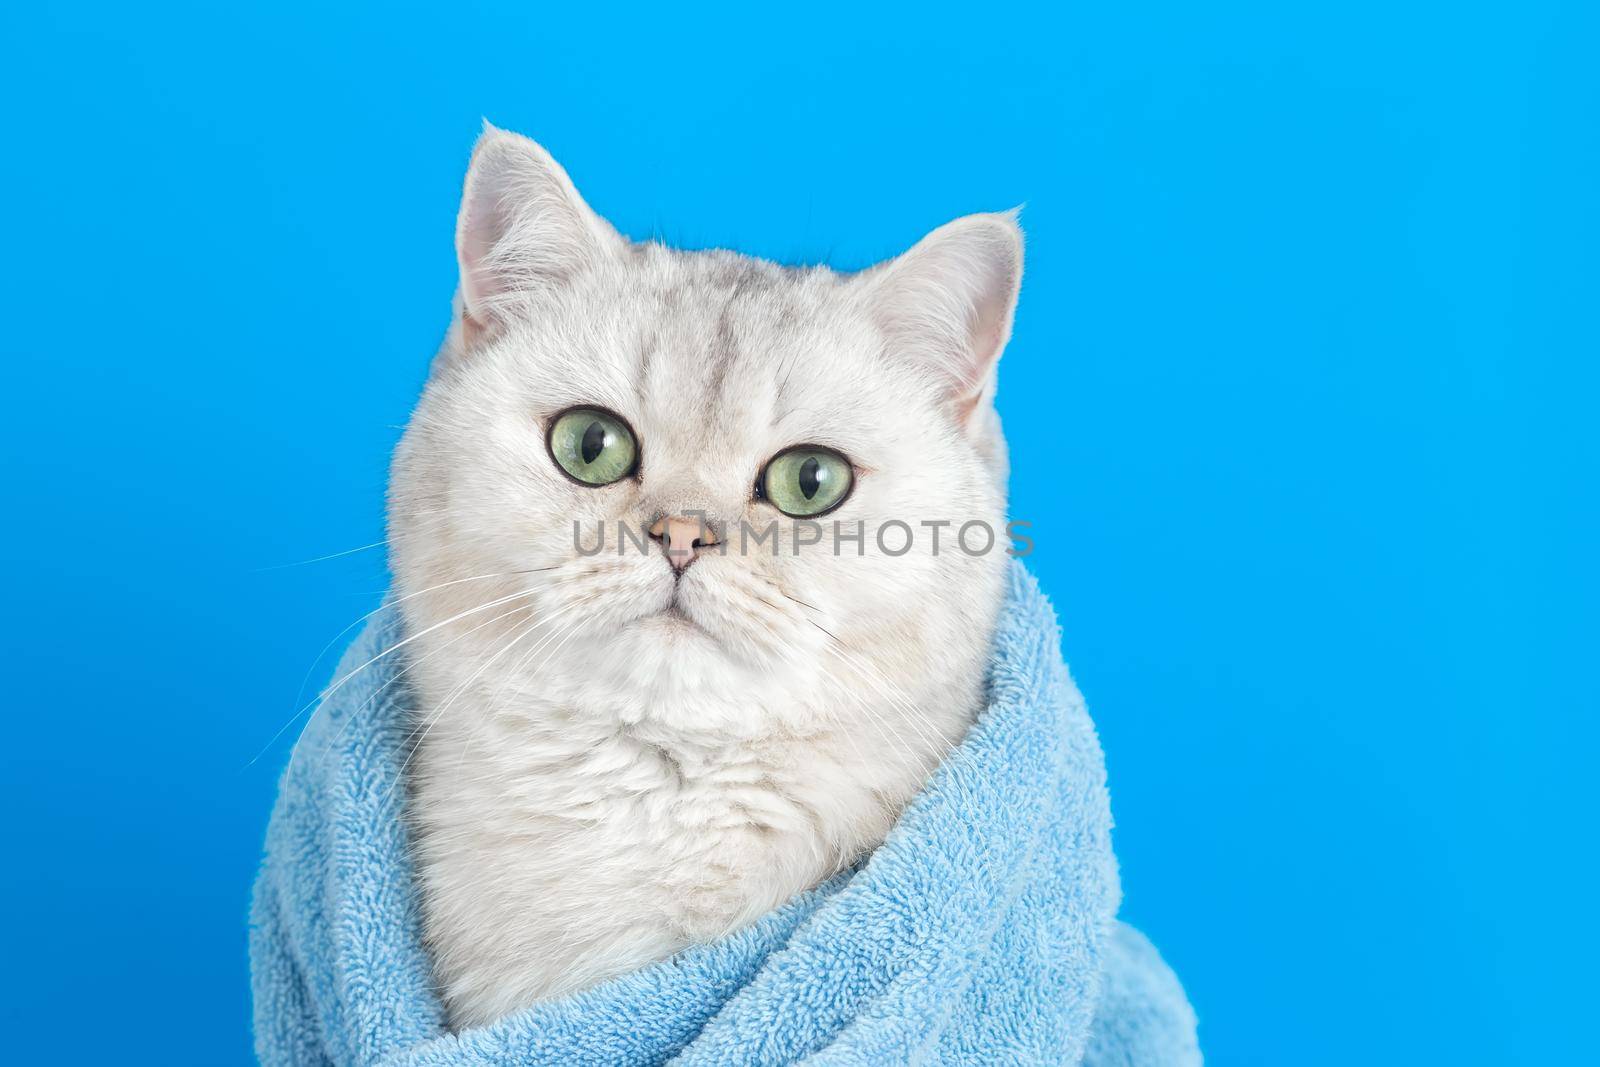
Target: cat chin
666, 645
675, 628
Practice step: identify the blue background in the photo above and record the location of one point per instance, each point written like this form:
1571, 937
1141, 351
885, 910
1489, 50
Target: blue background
1301, 400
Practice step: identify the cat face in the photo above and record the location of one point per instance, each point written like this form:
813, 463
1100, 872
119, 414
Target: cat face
593, 391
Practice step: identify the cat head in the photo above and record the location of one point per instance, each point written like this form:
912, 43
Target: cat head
698, 480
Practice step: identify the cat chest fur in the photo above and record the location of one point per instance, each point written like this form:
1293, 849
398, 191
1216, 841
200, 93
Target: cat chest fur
557, 849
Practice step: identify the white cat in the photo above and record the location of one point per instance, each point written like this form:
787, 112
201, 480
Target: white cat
623, 752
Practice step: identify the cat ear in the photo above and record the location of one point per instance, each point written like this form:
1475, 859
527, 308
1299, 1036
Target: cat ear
522, 227
945, 307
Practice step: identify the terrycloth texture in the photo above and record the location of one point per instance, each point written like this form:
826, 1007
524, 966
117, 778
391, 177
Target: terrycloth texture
980, 932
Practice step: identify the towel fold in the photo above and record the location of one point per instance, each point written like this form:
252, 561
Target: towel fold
982, 931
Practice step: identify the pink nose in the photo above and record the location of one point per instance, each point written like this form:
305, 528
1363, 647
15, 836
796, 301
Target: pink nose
682, 539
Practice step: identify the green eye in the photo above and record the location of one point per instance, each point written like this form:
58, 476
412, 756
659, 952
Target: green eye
806, 481
593, 447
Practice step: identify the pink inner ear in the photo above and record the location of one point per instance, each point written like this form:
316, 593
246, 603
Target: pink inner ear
992, 326
481, 225
486, 214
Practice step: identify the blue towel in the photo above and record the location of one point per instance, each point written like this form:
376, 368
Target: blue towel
982, 931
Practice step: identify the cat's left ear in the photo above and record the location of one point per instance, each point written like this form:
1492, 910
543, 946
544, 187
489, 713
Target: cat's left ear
945, 307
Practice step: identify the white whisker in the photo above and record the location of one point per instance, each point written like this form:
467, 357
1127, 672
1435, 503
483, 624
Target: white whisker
336, 686
320, 559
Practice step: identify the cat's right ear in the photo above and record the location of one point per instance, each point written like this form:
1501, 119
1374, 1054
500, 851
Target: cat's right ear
522, 230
